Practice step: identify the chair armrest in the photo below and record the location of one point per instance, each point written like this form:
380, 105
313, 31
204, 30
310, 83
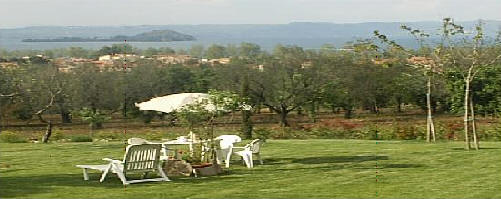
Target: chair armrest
238, 148
112, 161
148, 142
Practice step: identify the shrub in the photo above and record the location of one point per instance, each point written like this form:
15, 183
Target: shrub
147, 116
372, 133
81, 138
261, 134
491, 134
11, 137
95, 118
321, 132
405, 133
58, 135
154, 136
109, 135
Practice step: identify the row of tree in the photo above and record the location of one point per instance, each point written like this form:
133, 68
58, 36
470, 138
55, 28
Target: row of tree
213, 51
461, 74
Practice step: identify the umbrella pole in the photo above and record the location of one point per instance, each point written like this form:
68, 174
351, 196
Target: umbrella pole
213, 151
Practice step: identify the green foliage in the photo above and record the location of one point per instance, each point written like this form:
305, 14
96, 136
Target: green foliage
148, 116
24, 113
216, 51
11, 137
106, 135
58, 135
93, 117
81, 138
262, 134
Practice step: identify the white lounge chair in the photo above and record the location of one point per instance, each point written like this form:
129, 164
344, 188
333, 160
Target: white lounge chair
139, 141
248, 151
142, 158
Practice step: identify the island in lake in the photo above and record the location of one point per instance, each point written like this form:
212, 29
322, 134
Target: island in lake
152, 36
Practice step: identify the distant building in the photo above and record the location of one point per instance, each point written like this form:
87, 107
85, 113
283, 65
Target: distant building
424, 62
176, 59
222, 61
382, 61
8, 65
130, 57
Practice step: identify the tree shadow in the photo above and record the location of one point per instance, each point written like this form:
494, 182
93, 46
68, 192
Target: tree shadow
338, 159
25, 186
472, 149
324, 159
392, 166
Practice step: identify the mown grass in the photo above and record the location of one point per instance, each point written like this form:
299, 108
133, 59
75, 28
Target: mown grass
292, 169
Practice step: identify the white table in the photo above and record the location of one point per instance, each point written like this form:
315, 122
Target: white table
177, 143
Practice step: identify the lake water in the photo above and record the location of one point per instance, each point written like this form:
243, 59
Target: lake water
265, 43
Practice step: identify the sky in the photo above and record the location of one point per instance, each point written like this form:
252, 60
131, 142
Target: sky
20, 13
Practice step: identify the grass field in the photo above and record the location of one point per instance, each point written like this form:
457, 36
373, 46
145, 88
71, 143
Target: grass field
292, 169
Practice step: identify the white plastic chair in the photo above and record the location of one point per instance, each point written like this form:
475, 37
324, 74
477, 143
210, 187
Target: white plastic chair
142, 158
248, 151
224, 150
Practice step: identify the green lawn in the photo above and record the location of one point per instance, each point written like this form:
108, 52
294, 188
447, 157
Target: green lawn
293, 169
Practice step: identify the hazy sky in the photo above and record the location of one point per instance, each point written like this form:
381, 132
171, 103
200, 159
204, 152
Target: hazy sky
15, 13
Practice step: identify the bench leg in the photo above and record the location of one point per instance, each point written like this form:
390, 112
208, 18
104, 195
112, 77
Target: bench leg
85, 174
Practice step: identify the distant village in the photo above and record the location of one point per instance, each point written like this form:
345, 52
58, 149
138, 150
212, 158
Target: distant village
118, 61
112, 62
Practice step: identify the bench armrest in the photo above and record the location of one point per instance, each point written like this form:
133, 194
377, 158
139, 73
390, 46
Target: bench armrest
112, 161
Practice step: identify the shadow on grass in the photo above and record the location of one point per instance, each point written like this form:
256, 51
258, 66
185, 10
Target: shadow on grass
24, 186
473, 149
324, 159
338, 159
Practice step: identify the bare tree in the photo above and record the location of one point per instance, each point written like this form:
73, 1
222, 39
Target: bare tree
468, 57
426, 63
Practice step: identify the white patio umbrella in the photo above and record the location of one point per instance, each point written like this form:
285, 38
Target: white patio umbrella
170, 103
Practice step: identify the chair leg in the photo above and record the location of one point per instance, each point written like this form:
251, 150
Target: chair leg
251, 161
120, 174
228, 158
122, 178
258, 156
219, 157
105, 172
162, 173
85, 174
247, 159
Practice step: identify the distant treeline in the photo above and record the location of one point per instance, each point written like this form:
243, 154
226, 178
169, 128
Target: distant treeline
152, 36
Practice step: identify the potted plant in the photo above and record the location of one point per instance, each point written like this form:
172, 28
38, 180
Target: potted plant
194, 115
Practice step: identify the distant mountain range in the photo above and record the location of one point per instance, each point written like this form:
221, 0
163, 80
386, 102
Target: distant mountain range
151, 36
305, 34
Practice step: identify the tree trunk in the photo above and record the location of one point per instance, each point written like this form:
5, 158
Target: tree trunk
399, 105
48, 133
348, 113
312, 113
66, 116
430, 127
283, 117
300, 110
246, 124
465, 118
473, 125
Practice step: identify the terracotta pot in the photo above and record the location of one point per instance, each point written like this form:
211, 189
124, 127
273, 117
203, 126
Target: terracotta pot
203, 165
210, 170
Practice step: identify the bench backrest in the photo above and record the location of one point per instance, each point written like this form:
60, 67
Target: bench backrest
142, 158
